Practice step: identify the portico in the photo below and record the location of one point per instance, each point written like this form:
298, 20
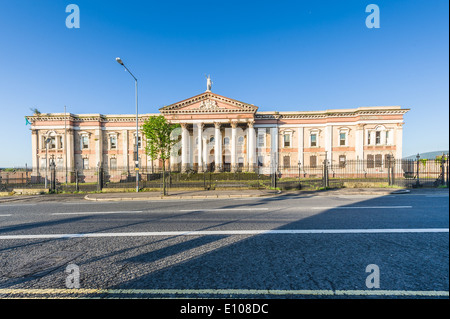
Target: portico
217, 133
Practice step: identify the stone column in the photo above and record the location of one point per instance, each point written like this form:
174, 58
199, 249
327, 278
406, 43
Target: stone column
35, 149
98, 147
251, 146
70, 150
300, 146
399, 141
329, 143
359, 142
184, 148
233, 147
273, 149
199, 146
217, 143
125, 149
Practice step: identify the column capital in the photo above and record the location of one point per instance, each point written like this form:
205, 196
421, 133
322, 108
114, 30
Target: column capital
217, 124
234, 124
251, 123
183, 125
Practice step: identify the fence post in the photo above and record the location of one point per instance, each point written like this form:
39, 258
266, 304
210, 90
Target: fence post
99, 178
325, 182
418, 181
53, 176
76, 181
443, 161
447, 166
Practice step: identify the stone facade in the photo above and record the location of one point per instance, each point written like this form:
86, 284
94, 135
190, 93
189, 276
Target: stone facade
233, 136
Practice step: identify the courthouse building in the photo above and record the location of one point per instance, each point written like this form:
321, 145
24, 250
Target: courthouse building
221, 134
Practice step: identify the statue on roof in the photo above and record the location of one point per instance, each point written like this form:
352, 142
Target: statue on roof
208, 83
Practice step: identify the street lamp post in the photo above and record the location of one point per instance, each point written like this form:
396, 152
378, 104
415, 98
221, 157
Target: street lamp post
119, 60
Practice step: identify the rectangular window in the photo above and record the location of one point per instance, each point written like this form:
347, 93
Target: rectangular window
370, 163
377, 137
52, 143
84, 142
59, 162
113, 142
342, 159
387, 138
388, 160
342, 139
113, 163
85, 163
378, 160
261, 140
313, 140
60, 142
287, 140
286, 161
369, 138
313, 161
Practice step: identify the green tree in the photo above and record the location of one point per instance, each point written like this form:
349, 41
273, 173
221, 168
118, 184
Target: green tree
159, 134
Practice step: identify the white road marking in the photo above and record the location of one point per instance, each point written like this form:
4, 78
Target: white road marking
100, 213
230, 232
222, 209
5, 215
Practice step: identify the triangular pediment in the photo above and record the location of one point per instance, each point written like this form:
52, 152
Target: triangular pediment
208, 102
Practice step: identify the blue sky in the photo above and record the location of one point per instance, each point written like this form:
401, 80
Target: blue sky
278, 55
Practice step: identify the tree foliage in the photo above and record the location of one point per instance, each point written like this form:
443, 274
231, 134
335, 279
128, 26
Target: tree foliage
159, 135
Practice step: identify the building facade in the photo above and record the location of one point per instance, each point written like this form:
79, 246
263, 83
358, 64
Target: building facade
220, 134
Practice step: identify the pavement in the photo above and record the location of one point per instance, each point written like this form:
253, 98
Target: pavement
223, 194
212, 194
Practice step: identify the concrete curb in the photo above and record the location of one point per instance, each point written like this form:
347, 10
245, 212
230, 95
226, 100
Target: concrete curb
117, 199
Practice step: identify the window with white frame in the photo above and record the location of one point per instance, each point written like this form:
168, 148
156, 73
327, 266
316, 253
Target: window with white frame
261, 139
113, 163
313, 140
342, 139
241, 140
52, 143
378, 137
85, 163
287, 139
226, 141
113, 142
84, 142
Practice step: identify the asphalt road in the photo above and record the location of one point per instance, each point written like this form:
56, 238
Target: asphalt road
278, 247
